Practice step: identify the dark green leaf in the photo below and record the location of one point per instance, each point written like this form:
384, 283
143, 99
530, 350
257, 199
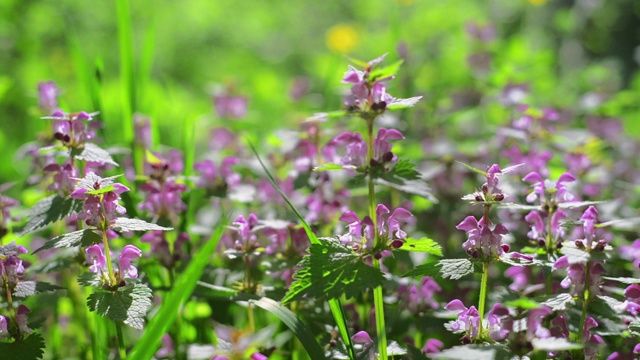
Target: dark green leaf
48, 210
30, 348
560, 302
554, 344
84, 237
94, 153
406, 170
126, 225
444, 269
332, 269
415, 353
128, 305
29, 288
424, 245
615, 305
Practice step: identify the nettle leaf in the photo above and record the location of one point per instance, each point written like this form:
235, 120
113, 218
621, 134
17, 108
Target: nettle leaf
560, 302
126, 225
523, 303
29, 288
332, 269
84, 237
520, 206
406, 170
574, 255
424, 245
444, 269
332, 166
475, 352
624, 280
129, 304
94, 153
9, 249
578, 204
554, 344
509, 258
476, 170
324, 116
614, 304
30, 348
622, 224
90, 280
48, 210
416, 187
397, 104
89, 181
386, 71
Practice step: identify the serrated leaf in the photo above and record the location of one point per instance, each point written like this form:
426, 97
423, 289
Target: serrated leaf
523, 303
406, 170
554, 344
126, 225
30, 348
48, 210
614, 304
509, 258
620, 223
324, 116
89, 280
560, 302
624, 280
424, 245
101, 190
444, 269
332, 166
25, 289
331, 270
476, 170
475, 352
9, 249
385, 71
94, 153
88, 182
128, 305
574, 255
84, 237
416, 187
520, 206
397, 104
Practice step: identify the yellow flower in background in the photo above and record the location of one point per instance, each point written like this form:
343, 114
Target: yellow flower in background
538, 2
342, 38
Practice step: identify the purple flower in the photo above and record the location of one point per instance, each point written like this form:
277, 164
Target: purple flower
11, 266
324, 204
71, 129
64, 178
533, 159
48, 93
142, 130
500, 322
160, 247
222, 138
592, 340
258, 356
163, 200
167, 350
546, 191
362, 337
230, 106
539, 229
483, 242
576, 275
4, 333
432, 346
355, 149
21, 319
490, 190
217, 177
577, 163
100, 210
388, 223
535, 318
482, 33
419, 298
6, 203
129, 253
520, 276
367, 94
632, 303
96, 258
468, 319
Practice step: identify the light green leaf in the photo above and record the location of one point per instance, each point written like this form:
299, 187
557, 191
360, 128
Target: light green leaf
424, 245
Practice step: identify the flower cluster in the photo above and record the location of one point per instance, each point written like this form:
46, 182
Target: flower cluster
483, 243
368, 93
98, 263
72, 129
11, 267
419, 298
361, 235
355, 150
100, 207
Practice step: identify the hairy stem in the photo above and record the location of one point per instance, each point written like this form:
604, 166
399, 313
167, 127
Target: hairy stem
585, 302
483, 293
105, 242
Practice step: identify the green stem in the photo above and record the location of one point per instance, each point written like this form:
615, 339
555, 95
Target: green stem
105, 242
549, 249
483, 294
121, 347
247, 284
378, 301
585, 303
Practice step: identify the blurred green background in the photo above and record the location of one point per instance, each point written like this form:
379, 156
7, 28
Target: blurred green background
562, 49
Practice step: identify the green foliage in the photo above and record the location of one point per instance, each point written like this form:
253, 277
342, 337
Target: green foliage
522, 303
560, 302
331, 270
129, 304
424, 245
89, 280
92, 152
476, 352
574, 254
30, 348
554, 344
25, 289
216, 291
48, 210
445, 269
330, 166
86, 237
126, 225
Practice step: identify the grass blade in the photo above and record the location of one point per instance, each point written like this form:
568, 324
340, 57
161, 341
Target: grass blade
127, 69
146, 347
334, 304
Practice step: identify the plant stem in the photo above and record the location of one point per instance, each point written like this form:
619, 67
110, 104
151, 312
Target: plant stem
549, 249
247, 285
105, 242
483, 293
121, 347
378, 302
10, 302
585, 302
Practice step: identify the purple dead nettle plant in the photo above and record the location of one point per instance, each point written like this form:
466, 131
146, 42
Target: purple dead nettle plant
12, 268
163, 189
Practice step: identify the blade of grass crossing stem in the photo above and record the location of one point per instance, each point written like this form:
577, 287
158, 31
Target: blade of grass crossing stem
125, 40
334, 304
299, 329
146, 347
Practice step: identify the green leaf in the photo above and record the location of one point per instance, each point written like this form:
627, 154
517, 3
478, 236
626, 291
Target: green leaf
101, 190
147, 345
554, 344
406, 170
397, 104
30, 348
94, 153
416, 187
128, 305
560, 302
84, 237
386, 71
614, 304
126, 225
444, 269
25, 289
331, 166
424, 245
509, 259
475, 352
48, 210
89, 181
624, 280
90, 280
217, 291
299, 329
523, 303
333, 269
574, 255
483, 173
324, 116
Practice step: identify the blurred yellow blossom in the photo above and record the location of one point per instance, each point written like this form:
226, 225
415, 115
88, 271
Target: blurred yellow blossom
342, 38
